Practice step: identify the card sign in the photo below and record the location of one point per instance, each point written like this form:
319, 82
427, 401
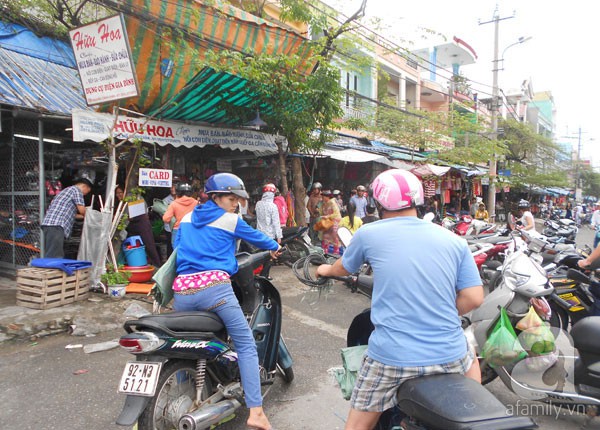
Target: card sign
155, 178
104, 60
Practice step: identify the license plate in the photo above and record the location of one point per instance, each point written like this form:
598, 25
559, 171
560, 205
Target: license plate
140, 378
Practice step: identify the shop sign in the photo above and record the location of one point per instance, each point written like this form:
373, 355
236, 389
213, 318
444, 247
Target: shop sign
104, 60
155, 178
89, 125
223, 165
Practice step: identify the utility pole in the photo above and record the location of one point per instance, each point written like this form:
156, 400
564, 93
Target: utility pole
494, 114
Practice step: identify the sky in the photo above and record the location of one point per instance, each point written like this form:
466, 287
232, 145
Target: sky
561, 56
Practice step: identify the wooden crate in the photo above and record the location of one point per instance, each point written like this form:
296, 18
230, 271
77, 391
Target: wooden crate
39, 288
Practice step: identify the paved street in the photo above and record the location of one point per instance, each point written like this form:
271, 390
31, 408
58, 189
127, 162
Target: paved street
45, 386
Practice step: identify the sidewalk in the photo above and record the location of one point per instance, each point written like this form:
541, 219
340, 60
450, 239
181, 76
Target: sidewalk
96, 314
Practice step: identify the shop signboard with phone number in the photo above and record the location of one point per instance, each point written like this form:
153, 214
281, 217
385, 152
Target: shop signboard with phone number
155, 178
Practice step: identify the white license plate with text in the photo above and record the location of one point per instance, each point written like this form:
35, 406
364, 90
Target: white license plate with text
140, 378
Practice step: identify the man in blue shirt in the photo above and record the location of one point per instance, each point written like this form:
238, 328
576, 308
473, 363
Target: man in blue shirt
360, 201
60, 217
424, 278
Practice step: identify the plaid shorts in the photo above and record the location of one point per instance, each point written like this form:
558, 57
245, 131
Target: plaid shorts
377, 383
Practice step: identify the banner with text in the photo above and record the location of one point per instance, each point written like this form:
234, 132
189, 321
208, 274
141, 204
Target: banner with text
89, 125
104, 60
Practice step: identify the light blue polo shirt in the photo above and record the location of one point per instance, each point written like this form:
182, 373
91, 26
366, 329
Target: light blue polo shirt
418, 268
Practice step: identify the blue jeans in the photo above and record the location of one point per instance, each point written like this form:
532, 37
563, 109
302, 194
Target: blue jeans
232, 316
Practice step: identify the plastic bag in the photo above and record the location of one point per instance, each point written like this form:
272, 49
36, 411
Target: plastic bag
164, 278
537, 340
351, 359
502, 346
535, 337
531, 320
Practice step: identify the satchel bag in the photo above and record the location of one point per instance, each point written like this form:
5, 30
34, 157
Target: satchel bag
352, 358
323, 224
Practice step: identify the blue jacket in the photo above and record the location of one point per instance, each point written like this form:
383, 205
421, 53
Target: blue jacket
207, 236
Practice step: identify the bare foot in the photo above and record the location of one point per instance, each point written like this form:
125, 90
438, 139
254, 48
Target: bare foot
258, 420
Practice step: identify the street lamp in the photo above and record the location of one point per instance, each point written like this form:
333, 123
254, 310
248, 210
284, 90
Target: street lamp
494, 115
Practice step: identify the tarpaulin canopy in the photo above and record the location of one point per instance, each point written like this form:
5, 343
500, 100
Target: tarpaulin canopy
430, 170
33, 78
165, 64
354, 156
203, 99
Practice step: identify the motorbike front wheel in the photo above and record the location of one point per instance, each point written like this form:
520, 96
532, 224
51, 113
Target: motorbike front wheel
175, 392
287, 373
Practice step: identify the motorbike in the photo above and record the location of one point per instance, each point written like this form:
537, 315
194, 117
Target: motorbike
543, 378
435, 402
186, 374
465, 225
296, 240
562, 228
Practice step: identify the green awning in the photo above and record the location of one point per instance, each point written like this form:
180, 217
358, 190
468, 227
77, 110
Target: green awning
204, 98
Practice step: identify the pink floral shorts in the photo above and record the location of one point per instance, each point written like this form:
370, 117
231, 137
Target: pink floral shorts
194, 282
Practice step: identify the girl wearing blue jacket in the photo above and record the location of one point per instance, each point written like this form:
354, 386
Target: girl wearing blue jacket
205, 243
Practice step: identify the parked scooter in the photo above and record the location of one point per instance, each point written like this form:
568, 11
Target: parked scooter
562, 228
186, 373
435, 402
524, 279
296, 242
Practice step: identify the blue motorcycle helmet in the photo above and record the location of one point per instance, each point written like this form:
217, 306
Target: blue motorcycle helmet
225, 183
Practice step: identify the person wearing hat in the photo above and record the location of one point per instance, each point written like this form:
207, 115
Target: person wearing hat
313, 206
330, 210
360, 201
481, 213
268, 221
57, 225
206, 243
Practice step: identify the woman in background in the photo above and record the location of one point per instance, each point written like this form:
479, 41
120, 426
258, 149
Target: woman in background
351, 221
330, 210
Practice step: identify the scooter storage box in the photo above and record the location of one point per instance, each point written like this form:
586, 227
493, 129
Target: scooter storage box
455, 402
39, 288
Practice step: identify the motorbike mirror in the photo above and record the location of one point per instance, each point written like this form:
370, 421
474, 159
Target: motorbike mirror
429, 216
345, 236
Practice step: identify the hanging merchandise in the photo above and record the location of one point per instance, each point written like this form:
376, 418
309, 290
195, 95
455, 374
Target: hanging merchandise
477, 188
429, 187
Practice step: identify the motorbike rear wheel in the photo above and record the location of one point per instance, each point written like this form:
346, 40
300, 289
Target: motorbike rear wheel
177, 381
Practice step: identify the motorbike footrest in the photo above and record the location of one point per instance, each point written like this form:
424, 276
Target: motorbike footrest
265, 382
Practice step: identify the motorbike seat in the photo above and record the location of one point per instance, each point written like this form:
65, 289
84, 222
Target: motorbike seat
585, 336
492, 239
196, 321
454, 402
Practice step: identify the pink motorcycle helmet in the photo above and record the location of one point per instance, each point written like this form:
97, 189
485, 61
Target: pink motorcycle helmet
397, 189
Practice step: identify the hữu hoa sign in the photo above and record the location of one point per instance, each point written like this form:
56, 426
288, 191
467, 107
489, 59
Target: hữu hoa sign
104, 60
89, 125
